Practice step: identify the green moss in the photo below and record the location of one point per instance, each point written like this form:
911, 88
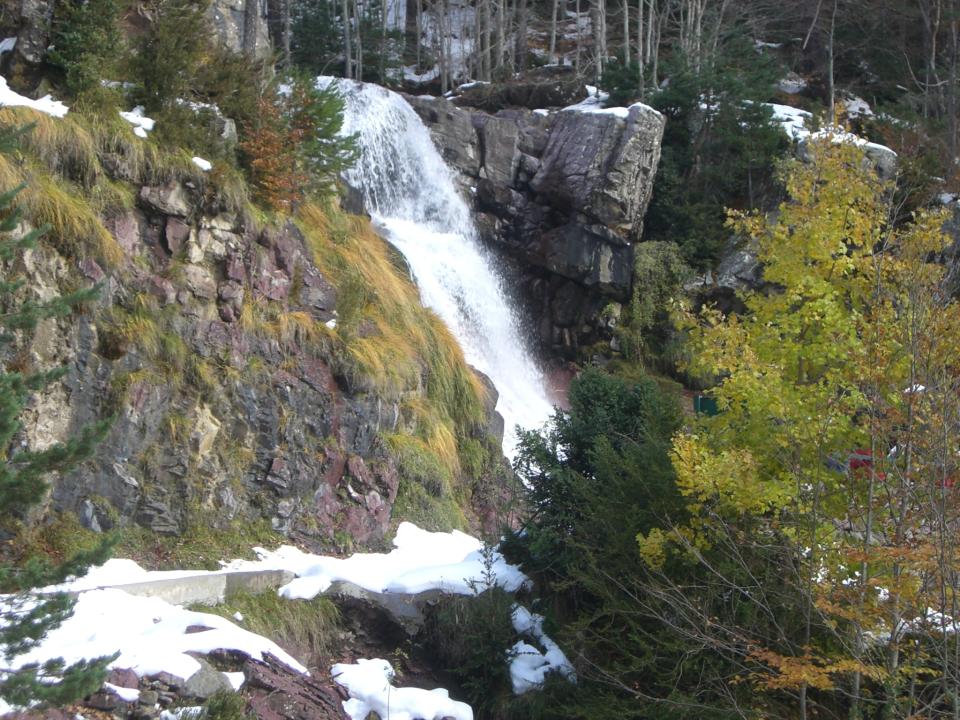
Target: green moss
415, 504
225, 705
200, 546
306, 628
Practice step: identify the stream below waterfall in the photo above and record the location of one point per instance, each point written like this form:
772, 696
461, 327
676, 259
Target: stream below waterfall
411, 195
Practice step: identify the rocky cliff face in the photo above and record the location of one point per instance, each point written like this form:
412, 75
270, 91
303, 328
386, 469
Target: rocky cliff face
209, 344
563, 193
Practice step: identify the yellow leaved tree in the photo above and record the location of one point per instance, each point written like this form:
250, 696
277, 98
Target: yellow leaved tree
823, 511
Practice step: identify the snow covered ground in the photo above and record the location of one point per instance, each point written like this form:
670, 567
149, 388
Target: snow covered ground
46, 104
369, 683
151, 635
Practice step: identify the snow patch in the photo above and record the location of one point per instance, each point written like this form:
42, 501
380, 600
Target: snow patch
529, 665
857, 107
125, 694
794, 123
792, 84
149, 634
46, 104
371, 691
141, 123
7, 45
451, 562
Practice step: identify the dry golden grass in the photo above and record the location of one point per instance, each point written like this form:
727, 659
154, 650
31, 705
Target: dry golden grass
62, 145
392, 338
405, 349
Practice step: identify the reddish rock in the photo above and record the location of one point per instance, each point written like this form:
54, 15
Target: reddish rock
176, 234
161, 288
90, 269
124, 677
126, 230
278, 693
235, 269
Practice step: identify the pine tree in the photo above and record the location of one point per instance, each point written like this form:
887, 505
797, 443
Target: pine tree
26, 618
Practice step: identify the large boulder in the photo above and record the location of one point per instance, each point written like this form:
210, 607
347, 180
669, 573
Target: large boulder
601, 164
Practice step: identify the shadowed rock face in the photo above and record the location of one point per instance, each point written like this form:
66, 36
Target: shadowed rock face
561, 193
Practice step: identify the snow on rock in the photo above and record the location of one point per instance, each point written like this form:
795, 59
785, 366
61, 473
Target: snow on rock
141, 123
529, 665
794, 123
7, 45
124, 693
204, 165
46, 104
371, 691
119, 571
149, 634
857, 107
594, 103
451, 562
792, 120
792, 84
411, 75
182, 713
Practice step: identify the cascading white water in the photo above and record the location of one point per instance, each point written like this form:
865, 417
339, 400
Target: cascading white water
410, 193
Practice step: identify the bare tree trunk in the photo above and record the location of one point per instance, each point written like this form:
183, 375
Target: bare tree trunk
501, 33
419, 30
347, 52
521, 43
640, 56
626, 33
487, 38
553, 31
358, 13
384, 10
576, 62
830, 74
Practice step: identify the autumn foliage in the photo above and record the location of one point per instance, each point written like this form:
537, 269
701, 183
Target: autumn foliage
293, 146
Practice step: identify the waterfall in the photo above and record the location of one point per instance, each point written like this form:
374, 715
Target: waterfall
410, 193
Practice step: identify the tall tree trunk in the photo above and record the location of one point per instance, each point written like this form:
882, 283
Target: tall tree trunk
553, 31
576, 61
830, 71
521, 44
626, 33
487, 39
640, 58
347, 51
251, 20
384, 11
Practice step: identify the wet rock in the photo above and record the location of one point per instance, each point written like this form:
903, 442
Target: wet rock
452, 130
498, 143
